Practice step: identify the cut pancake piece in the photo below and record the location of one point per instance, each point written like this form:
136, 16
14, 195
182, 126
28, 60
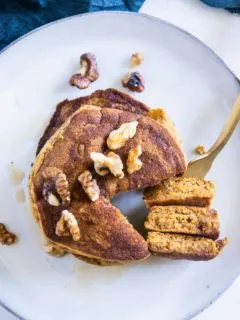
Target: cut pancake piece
183, 219
109, 98
180, 191
106, 235
177, 246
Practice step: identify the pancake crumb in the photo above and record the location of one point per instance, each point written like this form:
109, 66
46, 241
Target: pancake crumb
200, 149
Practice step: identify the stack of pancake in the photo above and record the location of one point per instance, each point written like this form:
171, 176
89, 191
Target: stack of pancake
99, 233
87, 225
181, 223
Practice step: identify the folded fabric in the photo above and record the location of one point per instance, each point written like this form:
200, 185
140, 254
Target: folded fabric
20, 16
234, 4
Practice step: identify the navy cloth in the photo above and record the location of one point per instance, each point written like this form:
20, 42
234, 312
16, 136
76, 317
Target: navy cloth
20, 16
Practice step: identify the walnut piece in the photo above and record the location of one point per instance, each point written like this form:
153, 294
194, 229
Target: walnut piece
89, 185
133, 161
67, 225
53, 200
111, 162
200, 149
134, 81
6, 237
56, 182
119, 137
136, 59
53, 250
88, 72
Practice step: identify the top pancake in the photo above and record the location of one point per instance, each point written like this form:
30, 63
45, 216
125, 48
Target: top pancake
109, 98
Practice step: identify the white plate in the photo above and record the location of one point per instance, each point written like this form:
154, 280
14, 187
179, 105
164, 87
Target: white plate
197, 90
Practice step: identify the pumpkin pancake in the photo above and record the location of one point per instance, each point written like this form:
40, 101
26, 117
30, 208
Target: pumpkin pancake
109, 98
105, 234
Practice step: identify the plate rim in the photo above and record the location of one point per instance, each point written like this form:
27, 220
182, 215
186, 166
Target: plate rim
173, 26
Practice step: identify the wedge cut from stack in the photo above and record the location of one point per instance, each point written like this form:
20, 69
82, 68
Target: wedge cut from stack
181, 224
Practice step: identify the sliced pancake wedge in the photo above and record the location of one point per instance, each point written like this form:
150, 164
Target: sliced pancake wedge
106, 235
181, 191
183, 219
178, 246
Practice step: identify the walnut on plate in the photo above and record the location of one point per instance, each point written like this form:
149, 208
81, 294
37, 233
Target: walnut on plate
6, 237
134, 81
105, 163
136, 59
88, 72
89, 185
117, 138
67, 225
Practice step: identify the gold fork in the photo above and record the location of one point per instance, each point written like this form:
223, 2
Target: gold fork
200, 166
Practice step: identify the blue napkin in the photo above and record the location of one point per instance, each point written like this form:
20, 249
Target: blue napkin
228, 4
20, 16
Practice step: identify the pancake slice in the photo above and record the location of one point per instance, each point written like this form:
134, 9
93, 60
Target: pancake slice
181, 191
182, 219
178, 246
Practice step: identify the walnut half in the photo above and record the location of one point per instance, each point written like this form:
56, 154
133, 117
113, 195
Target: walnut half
111, 162
55, 182
117, 138
6, 237
133, 162
67, 225
88, 72
89, 185
136, 59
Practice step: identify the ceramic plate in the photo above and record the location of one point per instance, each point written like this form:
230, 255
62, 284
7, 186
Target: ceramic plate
197, 90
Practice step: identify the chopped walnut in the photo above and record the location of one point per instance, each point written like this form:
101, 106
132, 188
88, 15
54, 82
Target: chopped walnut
111, 162
136, 59
88, 72
200, 149
134, 81
67, 225
120, 136
133, 161
53, 200
56, 181
89, 185
6, 237
53, 250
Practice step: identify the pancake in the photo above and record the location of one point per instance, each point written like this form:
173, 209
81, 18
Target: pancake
109, 98
178, 246
106, 235
181, 191
183, 219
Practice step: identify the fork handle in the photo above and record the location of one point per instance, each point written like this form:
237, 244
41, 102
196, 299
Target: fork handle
228, 128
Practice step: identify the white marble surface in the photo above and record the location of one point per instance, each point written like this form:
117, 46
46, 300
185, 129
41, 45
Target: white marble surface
220, 30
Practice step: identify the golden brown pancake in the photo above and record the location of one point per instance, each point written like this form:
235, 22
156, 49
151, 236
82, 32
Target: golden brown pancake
178, 246
109, 98
183, 219
106, 234
181, 191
